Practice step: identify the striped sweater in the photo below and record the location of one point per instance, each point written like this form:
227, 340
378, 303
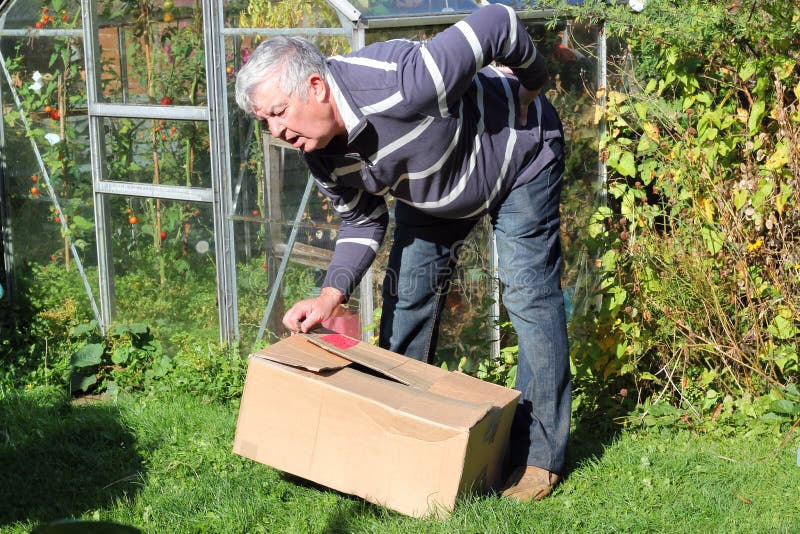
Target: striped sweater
434, 125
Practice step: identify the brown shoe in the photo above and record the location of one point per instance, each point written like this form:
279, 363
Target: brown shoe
530, 482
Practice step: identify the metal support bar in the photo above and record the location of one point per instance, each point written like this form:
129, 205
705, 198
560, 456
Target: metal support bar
602, 170
283, 31
5, 215
214, 41
169, 192
137, 111
41, 33
105, 264
494, 284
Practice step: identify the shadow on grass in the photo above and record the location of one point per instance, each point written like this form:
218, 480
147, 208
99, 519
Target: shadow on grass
351, 509
59, 460
595, 426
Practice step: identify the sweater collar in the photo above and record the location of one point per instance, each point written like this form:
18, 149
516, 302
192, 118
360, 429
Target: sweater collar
354, 120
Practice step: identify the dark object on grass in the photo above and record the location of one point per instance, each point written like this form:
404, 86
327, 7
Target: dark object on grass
76, 526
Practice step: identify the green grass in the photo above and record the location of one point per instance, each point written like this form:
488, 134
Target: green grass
164, 464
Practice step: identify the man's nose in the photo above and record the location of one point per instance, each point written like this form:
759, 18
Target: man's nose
275, 127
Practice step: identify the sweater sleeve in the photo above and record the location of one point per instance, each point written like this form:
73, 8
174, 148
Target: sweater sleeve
364, 220
443, 68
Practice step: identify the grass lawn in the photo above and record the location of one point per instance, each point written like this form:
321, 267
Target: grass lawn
164, 464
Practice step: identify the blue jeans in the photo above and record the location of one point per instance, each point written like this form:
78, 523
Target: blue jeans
421, 264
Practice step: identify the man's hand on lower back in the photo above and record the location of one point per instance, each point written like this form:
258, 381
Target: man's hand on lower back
308, 313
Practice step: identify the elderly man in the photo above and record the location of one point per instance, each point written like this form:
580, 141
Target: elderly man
452, 138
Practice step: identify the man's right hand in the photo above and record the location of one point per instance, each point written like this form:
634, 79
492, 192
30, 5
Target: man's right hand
526, 97
308, 313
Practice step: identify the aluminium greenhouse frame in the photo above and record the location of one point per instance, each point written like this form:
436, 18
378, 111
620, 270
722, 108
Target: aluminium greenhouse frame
220, 195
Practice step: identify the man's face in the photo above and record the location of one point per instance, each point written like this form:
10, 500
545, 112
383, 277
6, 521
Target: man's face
307, 124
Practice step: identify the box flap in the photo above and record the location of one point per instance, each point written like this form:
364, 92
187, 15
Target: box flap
297, 352
461, 400
401, 368
427, 408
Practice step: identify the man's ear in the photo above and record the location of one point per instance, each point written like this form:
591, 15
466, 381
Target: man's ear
317, 88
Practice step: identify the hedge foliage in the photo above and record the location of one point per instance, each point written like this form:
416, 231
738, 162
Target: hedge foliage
698, 245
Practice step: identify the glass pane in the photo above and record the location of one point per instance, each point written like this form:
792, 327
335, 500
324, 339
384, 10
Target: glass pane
267, 210
41, 14
157, 151
399, 8
164, 266
415, 33
47, 190
572, 63
280, 14
153, 55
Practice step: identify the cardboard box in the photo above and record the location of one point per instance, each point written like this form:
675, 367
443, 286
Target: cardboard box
365, 421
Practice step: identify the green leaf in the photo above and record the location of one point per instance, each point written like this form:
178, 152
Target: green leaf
784, 67
641, 110
627, 164
756, 114
764, 191
661, 409
785, 407
782, 328
780, 157
120, 329
712, 239
747, 70
609, 259
740, 198
138, 328
84, 328
88, 355
78, 382
121, 355
81, 223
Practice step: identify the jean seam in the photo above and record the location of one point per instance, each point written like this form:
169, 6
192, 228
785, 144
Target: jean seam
432, 326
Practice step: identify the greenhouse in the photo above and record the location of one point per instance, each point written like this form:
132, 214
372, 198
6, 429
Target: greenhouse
131, 177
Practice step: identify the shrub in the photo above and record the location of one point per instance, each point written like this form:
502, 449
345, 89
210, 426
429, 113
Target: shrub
699, 245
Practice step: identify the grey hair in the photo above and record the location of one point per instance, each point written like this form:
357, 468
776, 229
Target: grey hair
289, 60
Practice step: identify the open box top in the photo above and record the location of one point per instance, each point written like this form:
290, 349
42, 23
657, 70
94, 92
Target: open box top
451, 399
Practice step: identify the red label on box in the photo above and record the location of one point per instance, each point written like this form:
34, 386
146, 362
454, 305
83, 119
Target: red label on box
339, 341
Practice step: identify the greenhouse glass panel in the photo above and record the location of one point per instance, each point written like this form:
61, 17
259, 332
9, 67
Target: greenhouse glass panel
48, 222
44, 15
404, 8
164, 265
154, 56
157, 151
283, 16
